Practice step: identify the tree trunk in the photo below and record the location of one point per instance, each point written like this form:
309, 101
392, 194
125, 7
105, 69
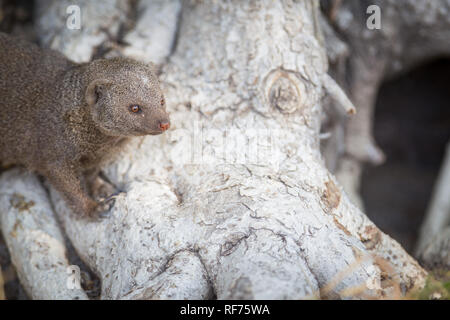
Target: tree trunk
234, 202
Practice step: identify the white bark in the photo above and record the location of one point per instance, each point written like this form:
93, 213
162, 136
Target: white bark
2, 291
434, 240
153, 36
235, 200
33, 237
436, 255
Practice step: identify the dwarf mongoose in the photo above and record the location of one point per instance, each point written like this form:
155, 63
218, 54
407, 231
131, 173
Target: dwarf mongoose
62, 119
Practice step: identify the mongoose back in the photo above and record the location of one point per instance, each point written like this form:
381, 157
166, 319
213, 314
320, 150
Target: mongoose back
62, 119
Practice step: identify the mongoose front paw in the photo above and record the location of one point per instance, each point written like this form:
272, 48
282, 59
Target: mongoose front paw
105, 205
87, 209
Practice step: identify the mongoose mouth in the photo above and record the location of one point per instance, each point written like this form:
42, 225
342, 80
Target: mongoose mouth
163, 126
151, 133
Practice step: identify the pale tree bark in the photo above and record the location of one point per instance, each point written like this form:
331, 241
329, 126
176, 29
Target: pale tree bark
34, 238
433, 246
2, 291
235, 201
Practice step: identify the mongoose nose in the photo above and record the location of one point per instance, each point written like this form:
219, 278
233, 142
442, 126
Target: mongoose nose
164, 125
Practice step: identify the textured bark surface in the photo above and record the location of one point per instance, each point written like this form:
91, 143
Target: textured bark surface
34, 238
235, 201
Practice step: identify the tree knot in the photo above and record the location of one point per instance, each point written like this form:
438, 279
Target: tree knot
284, 91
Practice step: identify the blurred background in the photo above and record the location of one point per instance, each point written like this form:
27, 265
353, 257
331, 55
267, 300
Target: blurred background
412, 126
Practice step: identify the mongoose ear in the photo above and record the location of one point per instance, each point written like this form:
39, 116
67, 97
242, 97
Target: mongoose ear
95, 90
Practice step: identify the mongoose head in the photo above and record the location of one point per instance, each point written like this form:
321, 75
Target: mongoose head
125, 99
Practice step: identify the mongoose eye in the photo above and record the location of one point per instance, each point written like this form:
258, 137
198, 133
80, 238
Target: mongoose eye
162, 101
135, 108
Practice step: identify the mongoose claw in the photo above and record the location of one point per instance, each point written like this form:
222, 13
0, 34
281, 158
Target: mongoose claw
114, 196
105, 205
